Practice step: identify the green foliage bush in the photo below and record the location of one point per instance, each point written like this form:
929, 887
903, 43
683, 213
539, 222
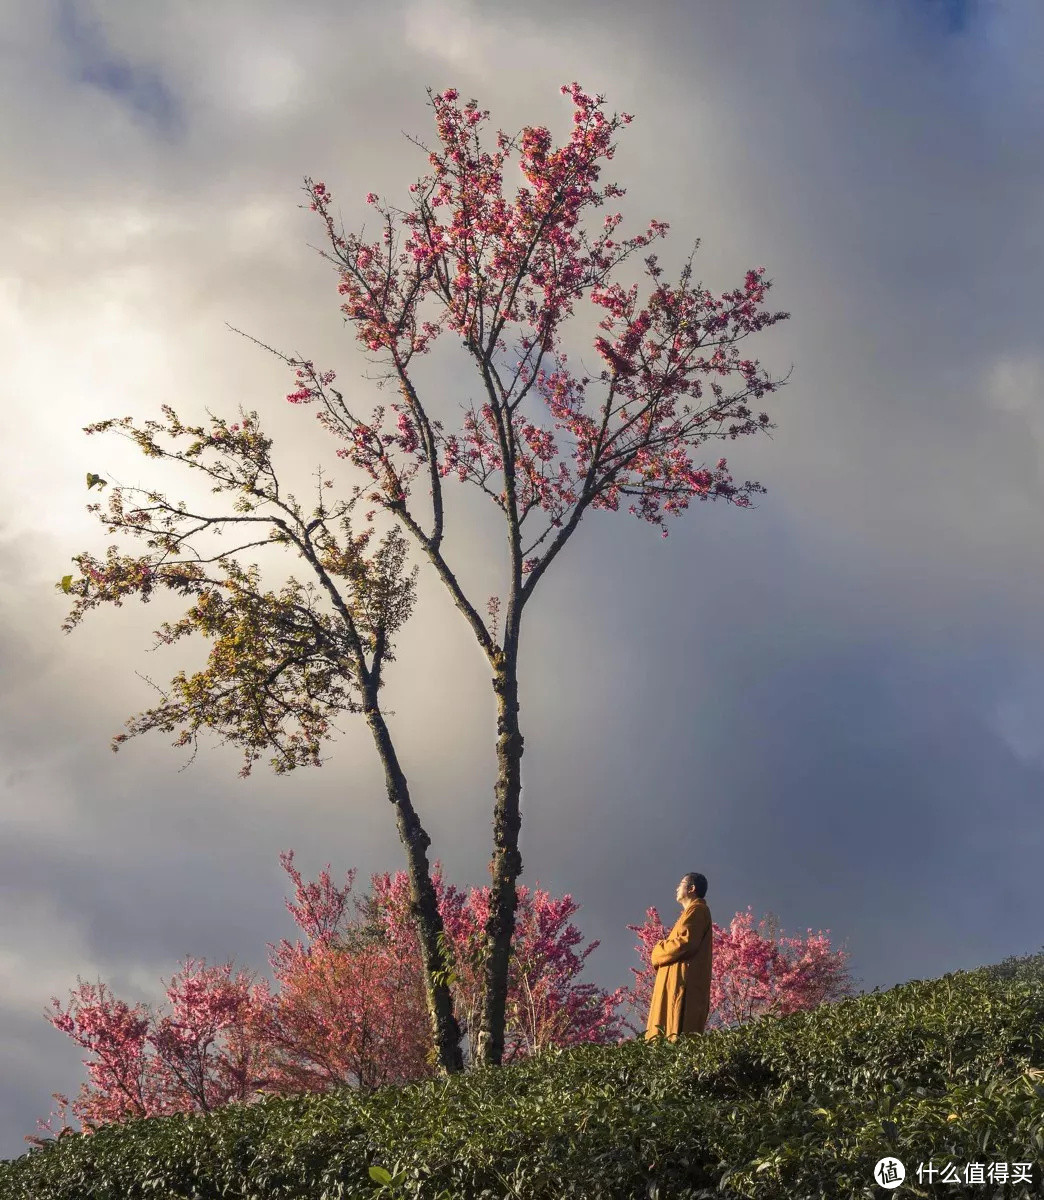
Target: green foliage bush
800, 1106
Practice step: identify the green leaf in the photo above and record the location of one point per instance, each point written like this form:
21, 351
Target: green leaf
66, 583
380, 1175
95, 479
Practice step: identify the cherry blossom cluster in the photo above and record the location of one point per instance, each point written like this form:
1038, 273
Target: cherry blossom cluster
489, 262
754, 971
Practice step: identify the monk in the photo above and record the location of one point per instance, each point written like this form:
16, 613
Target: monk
681, 992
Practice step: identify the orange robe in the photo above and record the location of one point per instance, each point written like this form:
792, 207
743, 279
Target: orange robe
681, 992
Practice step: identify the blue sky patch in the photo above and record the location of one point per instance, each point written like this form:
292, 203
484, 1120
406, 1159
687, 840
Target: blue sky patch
955, 14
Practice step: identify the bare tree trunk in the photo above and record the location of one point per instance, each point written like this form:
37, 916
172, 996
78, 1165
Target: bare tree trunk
425, 910
505, 866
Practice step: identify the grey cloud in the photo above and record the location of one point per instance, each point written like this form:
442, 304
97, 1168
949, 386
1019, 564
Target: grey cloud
92, 62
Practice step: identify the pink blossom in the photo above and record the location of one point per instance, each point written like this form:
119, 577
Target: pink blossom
754, 973
486, 266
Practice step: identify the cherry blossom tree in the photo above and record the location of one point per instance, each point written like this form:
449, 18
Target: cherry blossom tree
201, 1056
491, 265
546, 1005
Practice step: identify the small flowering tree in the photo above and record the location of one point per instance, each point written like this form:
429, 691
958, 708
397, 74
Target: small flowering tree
545, 1005
203, 1055
493, 266
755, 972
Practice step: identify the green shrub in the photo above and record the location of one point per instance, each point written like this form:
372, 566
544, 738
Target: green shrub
800, 1106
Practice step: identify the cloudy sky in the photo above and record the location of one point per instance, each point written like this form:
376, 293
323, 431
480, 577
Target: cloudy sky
832, 705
